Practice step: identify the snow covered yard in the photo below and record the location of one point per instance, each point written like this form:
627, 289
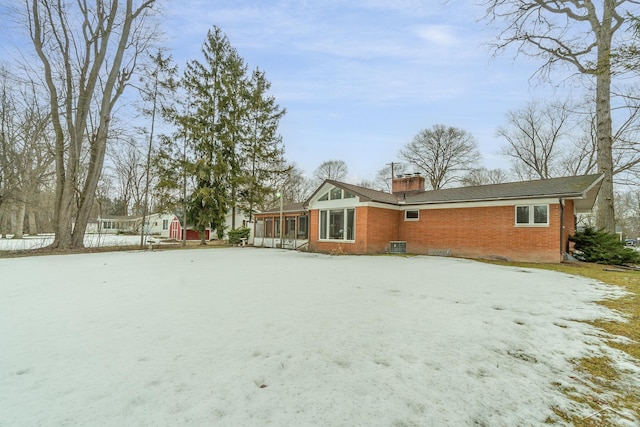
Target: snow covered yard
253, 337
90, 241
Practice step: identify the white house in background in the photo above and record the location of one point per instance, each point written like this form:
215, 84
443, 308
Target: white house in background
158, 224
175, 227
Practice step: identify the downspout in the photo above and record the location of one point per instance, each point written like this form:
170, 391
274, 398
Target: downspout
561, 227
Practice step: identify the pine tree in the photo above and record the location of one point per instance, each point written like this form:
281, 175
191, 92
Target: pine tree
213, 87
230, 124
264, 151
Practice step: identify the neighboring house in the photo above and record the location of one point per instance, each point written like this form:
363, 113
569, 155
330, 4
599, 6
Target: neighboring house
158, 224
176, 231
175, 228
115, 224
295, 227
520, 221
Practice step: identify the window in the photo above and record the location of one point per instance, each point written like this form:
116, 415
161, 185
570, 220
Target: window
259, 228
290, 227
268, 227
276, 227
324, 197
165, 224
532, 215
337, 224
336, 194
303, 227
412, 215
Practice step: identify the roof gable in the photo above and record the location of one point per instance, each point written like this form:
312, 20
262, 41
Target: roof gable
363, 193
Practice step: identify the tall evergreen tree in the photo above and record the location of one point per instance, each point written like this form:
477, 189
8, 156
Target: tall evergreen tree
264, 150
229, 125
212, 87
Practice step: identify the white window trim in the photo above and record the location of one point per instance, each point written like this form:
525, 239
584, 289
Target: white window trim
412, 219
320, 239
531, 214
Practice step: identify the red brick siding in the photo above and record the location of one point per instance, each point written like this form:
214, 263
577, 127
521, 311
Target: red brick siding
375, 228
483, 231
468, 232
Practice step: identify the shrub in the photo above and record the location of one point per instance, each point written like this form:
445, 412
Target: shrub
237, 234
602, 247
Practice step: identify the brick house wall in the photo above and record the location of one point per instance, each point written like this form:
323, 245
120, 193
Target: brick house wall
375, 228
484, 232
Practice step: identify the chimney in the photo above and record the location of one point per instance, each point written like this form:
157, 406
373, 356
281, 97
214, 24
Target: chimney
408, 184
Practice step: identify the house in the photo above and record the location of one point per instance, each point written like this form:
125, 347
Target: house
118, 224
520, 221
157, 224
176, 231
295, 227
175, 227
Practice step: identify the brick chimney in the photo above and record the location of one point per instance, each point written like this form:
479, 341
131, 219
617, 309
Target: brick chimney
408, 184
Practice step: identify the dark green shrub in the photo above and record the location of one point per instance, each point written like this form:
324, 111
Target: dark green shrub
237, 234
603, 248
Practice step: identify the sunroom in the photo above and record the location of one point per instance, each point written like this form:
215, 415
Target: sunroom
336, 214
287, 228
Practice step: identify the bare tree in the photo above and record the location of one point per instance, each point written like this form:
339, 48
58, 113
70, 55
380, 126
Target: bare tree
292, 184
331, 169
443, 154
628, 209
88, 53
383, 181
159, 82
534, 136
128, 172
579, 34
25, 158
484, 176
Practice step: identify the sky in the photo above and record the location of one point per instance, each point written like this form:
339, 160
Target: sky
195, 338
359, 79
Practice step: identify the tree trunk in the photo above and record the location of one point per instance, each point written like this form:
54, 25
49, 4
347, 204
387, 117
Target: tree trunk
3, 225
18, 220
605, 211
33, 226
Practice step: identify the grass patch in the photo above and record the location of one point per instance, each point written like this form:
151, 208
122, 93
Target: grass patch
600, 371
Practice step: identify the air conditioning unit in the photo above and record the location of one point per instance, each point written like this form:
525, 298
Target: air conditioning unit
397, 247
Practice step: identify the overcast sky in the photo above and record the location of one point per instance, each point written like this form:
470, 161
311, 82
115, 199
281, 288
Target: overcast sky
360, 78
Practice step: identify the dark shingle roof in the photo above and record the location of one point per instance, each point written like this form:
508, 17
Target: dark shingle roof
567, 187
288, 207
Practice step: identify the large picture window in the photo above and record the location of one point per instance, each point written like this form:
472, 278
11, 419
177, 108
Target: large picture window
532, 215
337, 224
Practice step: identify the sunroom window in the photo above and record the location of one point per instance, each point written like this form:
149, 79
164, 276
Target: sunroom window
532, 215
337, 224
336, 194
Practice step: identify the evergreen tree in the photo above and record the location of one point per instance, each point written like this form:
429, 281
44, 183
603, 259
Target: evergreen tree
264, 151
231, 147
212, 87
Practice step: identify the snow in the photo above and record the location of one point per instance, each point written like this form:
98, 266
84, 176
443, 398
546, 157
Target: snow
255, 337
90, 241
